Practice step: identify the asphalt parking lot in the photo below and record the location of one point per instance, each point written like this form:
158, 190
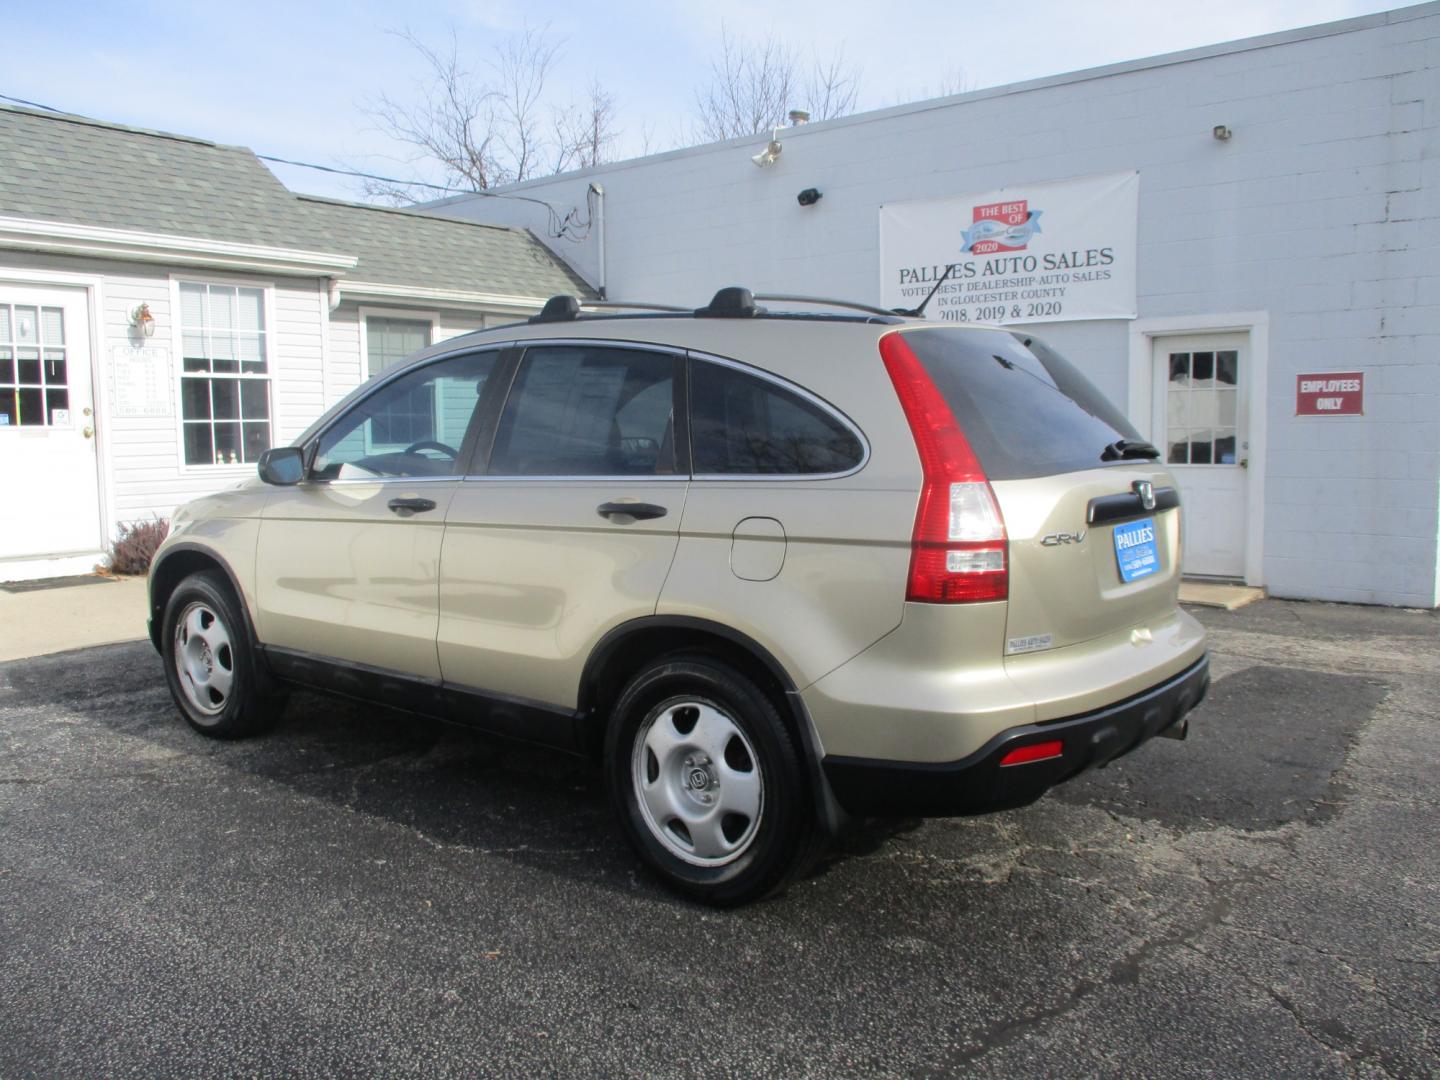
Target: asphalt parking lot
360, 892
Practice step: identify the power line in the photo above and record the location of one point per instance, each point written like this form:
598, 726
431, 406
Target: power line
559, 225
385, 179
32, 104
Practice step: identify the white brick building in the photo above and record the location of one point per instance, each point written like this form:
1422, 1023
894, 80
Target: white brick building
1308, 241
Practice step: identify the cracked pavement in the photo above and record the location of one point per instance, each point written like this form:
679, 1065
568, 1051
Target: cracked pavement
363, 892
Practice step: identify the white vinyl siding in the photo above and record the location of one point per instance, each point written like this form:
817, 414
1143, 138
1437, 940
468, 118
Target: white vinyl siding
142, 459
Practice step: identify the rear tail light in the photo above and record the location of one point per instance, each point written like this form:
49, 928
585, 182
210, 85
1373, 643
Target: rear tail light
958, 552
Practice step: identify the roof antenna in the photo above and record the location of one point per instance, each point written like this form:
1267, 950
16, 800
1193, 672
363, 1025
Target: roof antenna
919, 312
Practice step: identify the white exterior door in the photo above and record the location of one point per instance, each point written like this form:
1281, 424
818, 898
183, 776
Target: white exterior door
48, 478
1200, 417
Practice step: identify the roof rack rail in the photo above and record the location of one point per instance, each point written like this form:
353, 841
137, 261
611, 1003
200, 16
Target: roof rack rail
567, 308
731, 302
635, 305
826, 301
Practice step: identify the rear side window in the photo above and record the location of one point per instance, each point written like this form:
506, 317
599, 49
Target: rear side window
744, 425
583, 411
1025, 410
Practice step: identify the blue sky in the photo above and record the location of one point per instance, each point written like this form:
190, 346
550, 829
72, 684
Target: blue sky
290, 79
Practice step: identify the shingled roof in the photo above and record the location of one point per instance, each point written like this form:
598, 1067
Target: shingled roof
401, 247
77, 171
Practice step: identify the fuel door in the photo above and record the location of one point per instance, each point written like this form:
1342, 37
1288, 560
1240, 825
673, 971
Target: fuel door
757, 549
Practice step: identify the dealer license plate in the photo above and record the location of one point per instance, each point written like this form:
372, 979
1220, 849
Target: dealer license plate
1135, 550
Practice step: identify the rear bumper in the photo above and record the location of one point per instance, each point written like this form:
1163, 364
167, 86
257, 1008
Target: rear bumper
978, 783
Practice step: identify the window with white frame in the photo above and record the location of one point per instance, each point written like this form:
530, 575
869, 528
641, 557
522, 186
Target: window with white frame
225, 374
388, 340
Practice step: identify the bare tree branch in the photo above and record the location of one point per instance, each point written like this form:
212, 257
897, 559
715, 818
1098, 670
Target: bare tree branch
953, 81
754, 85
832, 88
493, 126
584, 134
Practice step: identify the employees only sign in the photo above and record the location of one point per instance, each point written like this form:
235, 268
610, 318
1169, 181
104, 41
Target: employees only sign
1048, 252
1330, 393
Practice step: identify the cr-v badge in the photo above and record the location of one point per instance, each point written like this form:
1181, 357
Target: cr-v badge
1056, 539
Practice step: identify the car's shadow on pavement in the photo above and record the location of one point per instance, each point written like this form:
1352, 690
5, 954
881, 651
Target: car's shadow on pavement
458, 788
453, 786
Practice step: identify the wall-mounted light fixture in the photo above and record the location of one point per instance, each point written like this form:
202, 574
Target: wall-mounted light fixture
1221, 132
771, 153
143, 321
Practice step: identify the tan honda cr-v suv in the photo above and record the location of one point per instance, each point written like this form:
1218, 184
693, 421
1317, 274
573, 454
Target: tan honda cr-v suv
775, 569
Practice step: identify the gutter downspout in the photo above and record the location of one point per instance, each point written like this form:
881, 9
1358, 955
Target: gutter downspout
329, 301
600, 233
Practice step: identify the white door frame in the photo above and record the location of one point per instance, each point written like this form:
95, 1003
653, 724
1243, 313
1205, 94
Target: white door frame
94, 287
1255, 324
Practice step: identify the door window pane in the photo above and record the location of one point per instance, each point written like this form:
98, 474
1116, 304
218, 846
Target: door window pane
56, 399
414, 426
740, 424
1202, 407
31, 411
25, 329
34, 370
30, 366
588, 411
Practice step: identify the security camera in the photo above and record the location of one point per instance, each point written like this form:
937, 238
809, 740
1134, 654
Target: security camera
809, 197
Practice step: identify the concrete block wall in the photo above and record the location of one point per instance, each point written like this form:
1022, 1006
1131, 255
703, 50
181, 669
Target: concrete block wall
1323, 210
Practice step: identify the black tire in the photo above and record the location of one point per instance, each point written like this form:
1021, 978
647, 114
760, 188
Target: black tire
196, 673
778, 842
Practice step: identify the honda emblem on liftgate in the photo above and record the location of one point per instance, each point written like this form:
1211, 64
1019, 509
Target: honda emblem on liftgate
1146, 490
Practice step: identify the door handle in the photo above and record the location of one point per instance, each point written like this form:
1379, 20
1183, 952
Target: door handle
639, 511
407, 507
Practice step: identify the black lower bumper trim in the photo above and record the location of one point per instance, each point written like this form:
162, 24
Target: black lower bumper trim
979, 784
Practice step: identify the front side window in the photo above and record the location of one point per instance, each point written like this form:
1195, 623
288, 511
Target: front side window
34, 387
588, 411
225, 374
413, 426
744, 425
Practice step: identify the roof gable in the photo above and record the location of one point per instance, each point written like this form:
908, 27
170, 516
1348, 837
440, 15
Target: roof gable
80, 172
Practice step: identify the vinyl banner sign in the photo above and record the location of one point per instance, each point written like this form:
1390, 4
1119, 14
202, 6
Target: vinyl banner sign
1048, 252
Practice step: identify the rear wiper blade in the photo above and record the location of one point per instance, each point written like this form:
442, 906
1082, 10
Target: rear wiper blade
1123, 449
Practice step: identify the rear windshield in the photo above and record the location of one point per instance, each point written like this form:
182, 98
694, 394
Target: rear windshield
1025, 409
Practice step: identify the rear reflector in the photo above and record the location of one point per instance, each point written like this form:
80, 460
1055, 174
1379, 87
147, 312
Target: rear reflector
958, 549
1040, 751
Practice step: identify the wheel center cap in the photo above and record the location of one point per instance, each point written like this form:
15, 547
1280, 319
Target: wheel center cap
207, 658
699, 779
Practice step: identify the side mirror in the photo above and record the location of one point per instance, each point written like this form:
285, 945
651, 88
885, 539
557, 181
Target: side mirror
283, 466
